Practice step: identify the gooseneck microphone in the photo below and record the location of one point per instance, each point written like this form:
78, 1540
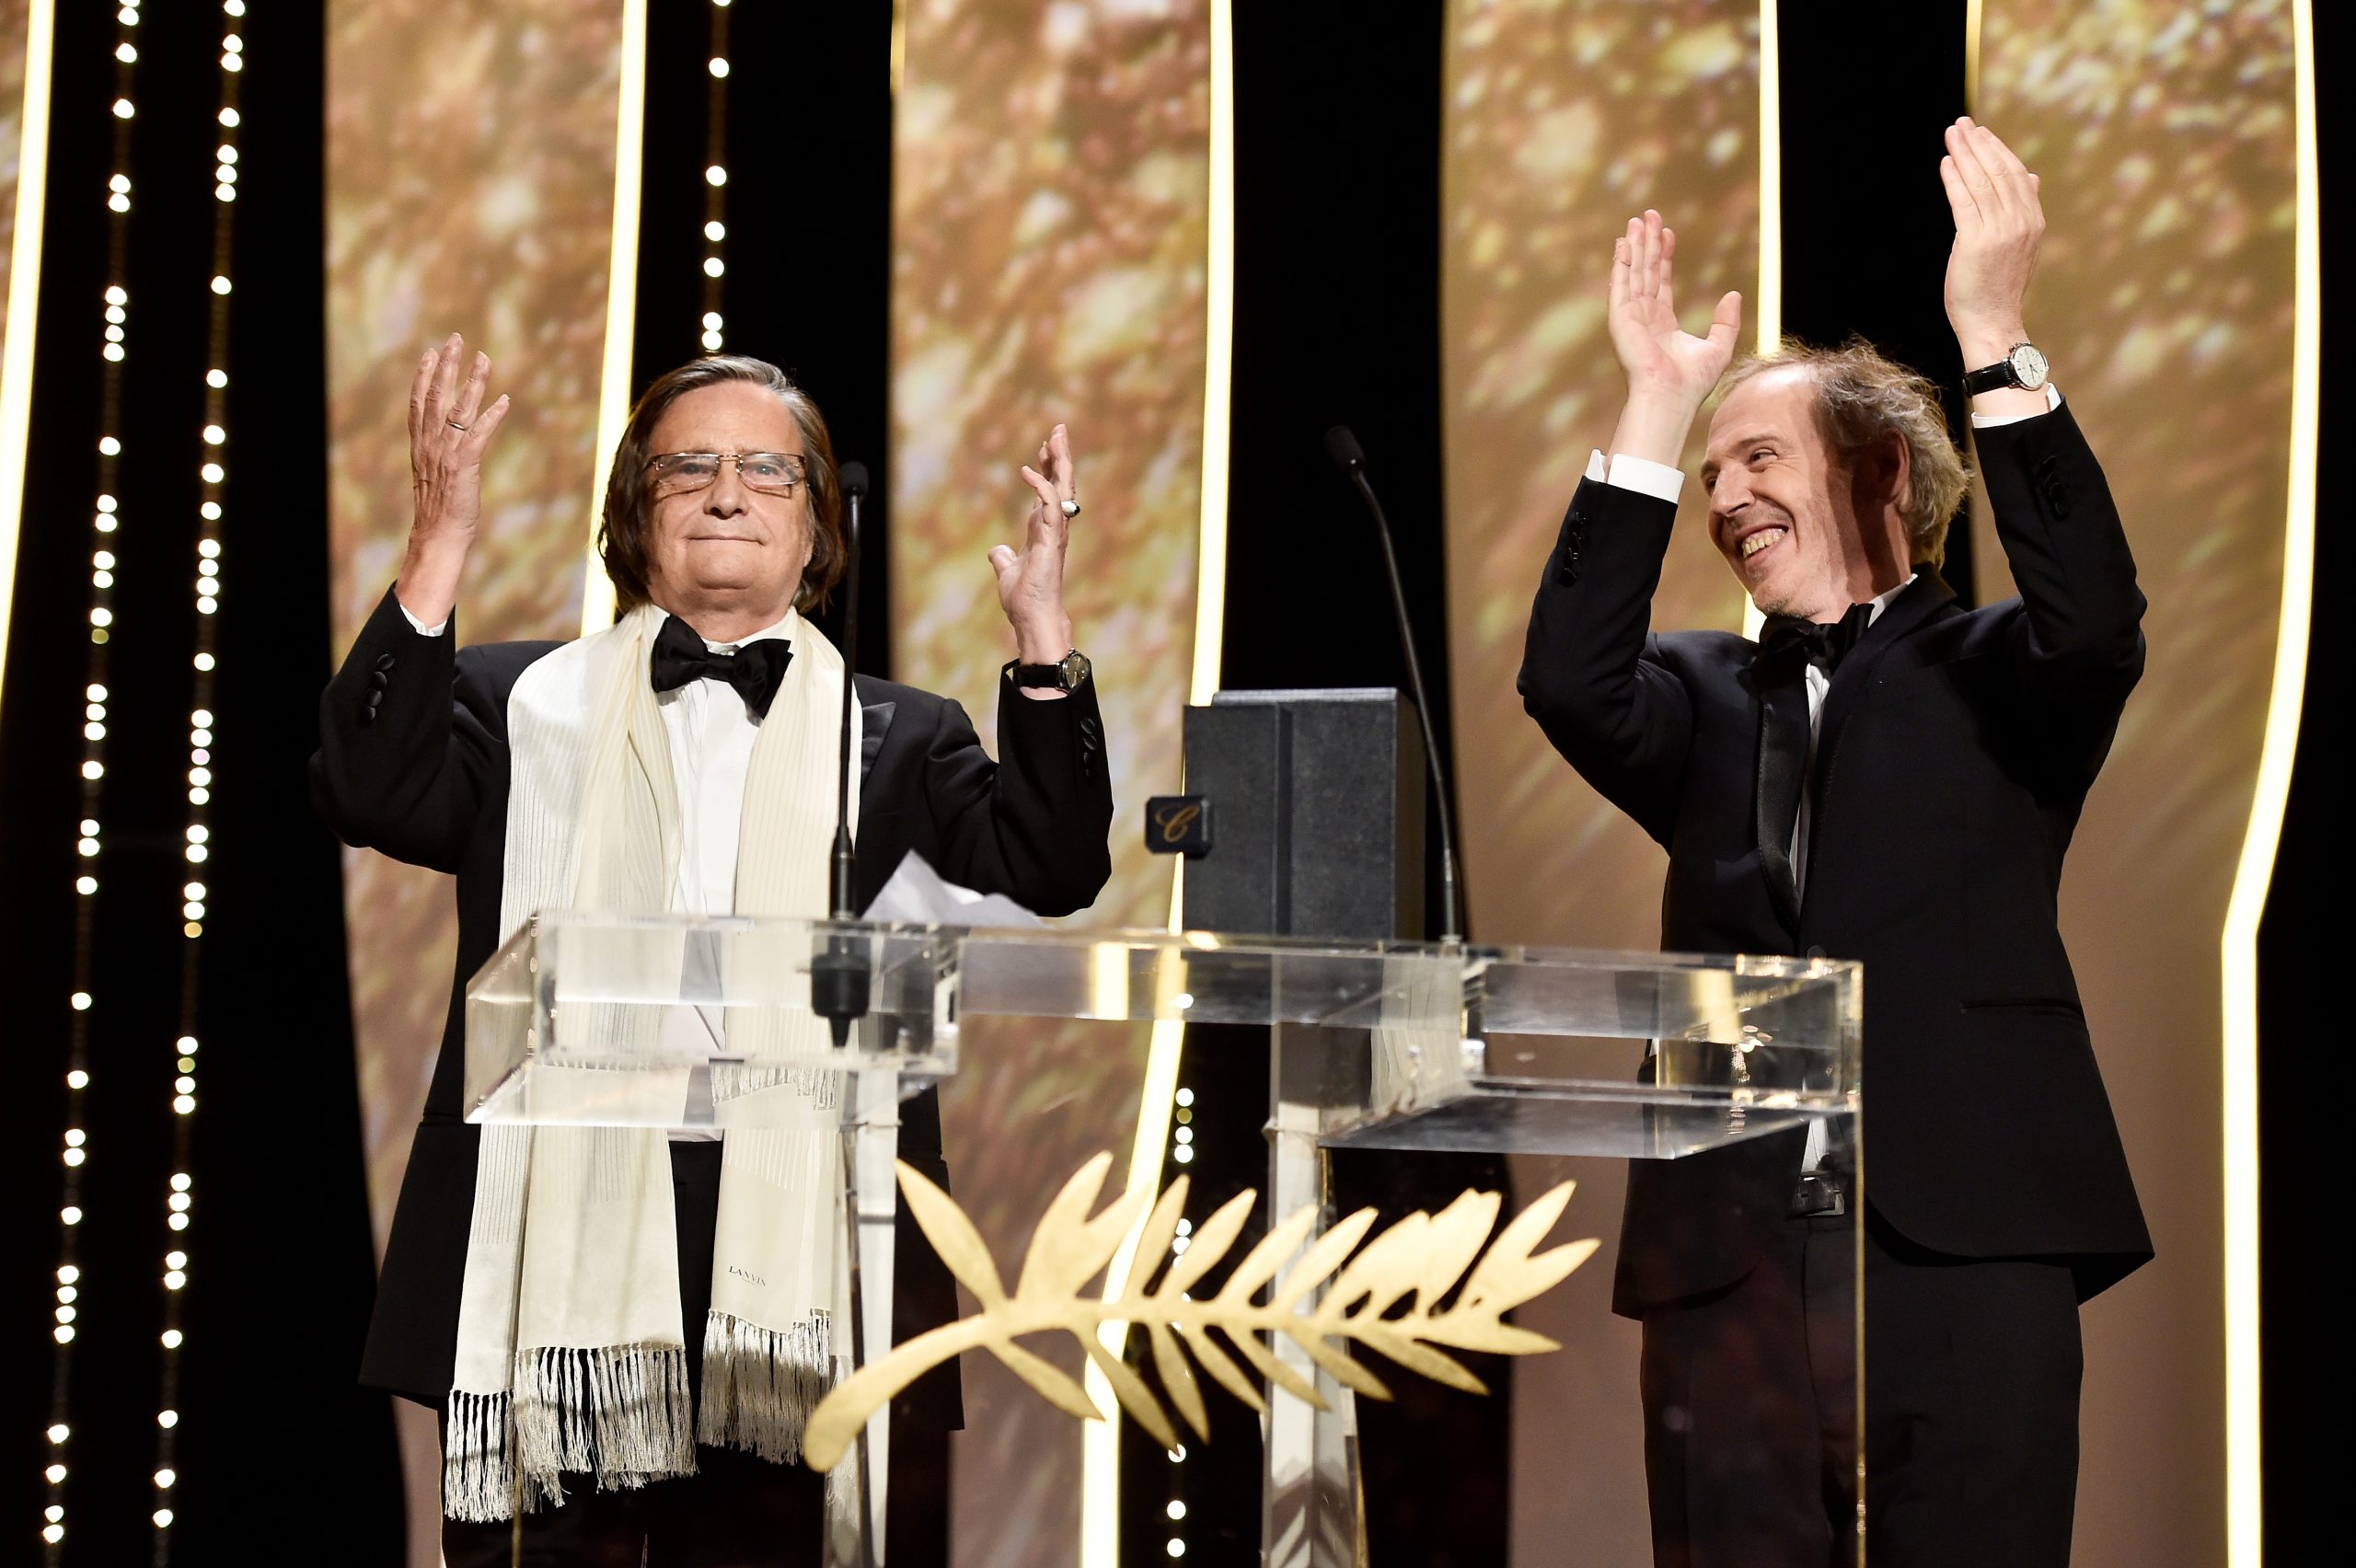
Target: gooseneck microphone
1350, 459
854, 482
838, 973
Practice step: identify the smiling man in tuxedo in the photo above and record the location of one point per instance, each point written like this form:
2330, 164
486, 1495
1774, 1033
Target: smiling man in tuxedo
1886, 777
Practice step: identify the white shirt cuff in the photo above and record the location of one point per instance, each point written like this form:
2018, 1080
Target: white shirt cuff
1639, 474
1985, 422
419, 626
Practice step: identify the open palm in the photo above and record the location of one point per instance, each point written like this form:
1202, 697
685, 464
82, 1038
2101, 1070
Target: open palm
1662, 359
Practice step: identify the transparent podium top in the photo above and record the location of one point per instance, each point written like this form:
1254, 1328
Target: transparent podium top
1417, 1031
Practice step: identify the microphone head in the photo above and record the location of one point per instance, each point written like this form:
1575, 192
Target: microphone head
1343, 449
854, 476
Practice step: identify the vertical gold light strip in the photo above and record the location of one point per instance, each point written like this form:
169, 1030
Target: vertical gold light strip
1218, 364
1100, 1507
20, 324
1971, 18
621, 302
1769, 306
2245, 911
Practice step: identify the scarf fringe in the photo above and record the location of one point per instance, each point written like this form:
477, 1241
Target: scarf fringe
761, 1385
478, 1462
619, 1414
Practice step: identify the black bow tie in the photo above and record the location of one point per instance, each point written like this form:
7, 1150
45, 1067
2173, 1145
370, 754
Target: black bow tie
1820, 643
755, 670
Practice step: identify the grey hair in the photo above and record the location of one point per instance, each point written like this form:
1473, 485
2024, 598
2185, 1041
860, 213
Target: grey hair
1863, 398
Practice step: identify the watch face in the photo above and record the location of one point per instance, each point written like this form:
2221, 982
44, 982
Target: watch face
2029, 365
1075, 665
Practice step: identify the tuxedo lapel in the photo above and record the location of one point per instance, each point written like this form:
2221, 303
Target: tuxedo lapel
874, 720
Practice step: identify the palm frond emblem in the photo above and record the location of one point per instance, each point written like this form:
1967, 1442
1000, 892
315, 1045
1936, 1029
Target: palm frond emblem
1419, 1262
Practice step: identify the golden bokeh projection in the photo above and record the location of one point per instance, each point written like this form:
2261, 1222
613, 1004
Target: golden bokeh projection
15, 20
469, 188
471, 185
1050, 251
1049, 240
2163, 138
1563, 121
1404, 1295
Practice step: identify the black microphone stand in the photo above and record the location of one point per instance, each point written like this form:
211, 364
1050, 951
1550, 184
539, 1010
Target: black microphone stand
1343, 449
838, 977
839, 980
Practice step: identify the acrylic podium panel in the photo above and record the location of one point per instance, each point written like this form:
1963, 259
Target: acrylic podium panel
1568, 1064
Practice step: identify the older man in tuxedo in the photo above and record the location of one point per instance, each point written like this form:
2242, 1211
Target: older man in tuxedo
1888, 776
642, 1396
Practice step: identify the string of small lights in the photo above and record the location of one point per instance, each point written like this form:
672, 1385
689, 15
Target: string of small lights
179, 1198
1181, 1152
715, 183
105, 522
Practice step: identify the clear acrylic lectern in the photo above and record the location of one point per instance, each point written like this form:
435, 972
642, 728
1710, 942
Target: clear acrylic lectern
1589, 1065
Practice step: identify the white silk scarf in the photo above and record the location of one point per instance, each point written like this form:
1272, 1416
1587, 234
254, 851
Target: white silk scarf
572, 1355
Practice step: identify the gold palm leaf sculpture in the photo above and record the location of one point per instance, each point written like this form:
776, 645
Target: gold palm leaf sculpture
1422, 1257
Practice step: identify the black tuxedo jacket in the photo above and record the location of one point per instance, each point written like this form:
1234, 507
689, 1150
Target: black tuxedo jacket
1955, 750
412, 762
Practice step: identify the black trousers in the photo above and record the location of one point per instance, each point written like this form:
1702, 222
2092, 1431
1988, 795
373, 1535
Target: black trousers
1970, 1409
737, 1511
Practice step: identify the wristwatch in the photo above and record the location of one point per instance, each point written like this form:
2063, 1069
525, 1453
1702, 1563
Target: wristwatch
2023, 367
1064, 675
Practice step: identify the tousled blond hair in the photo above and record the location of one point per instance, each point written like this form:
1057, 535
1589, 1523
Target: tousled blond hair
1863, 398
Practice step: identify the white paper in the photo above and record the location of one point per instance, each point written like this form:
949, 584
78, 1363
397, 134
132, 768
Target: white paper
918, 895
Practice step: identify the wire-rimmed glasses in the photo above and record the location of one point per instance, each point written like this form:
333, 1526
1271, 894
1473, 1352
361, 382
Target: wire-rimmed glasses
771, 473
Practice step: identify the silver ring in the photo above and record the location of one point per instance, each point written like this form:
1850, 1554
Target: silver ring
455, 425
1071, 509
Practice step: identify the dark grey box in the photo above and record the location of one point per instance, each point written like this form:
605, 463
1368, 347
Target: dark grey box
1319, 798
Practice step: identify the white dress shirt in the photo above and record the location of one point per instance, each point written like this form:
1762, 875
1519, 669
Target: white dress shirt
710, 734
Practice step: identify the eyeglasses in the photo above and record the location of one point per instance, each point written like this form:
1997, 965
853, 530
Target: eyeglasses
771, 473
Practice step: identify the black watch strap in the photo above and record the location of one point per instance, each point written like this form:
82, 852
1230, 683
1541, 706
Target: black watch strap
1990, 379
1064, 675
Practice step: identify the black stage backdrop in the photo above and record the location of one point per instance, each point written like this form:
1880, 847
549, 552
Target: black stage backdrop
1337, 320
281, 1455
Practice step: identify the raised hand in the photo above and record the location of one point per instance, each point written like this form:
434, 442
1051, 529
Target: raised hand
448, 430
1031, 580
1669, 370
1998, 224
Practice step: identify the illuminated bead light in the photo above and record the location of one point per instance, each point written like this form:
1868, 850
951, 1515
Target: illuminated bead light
1181, 1151
75, 1149
715, 175
215, 452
